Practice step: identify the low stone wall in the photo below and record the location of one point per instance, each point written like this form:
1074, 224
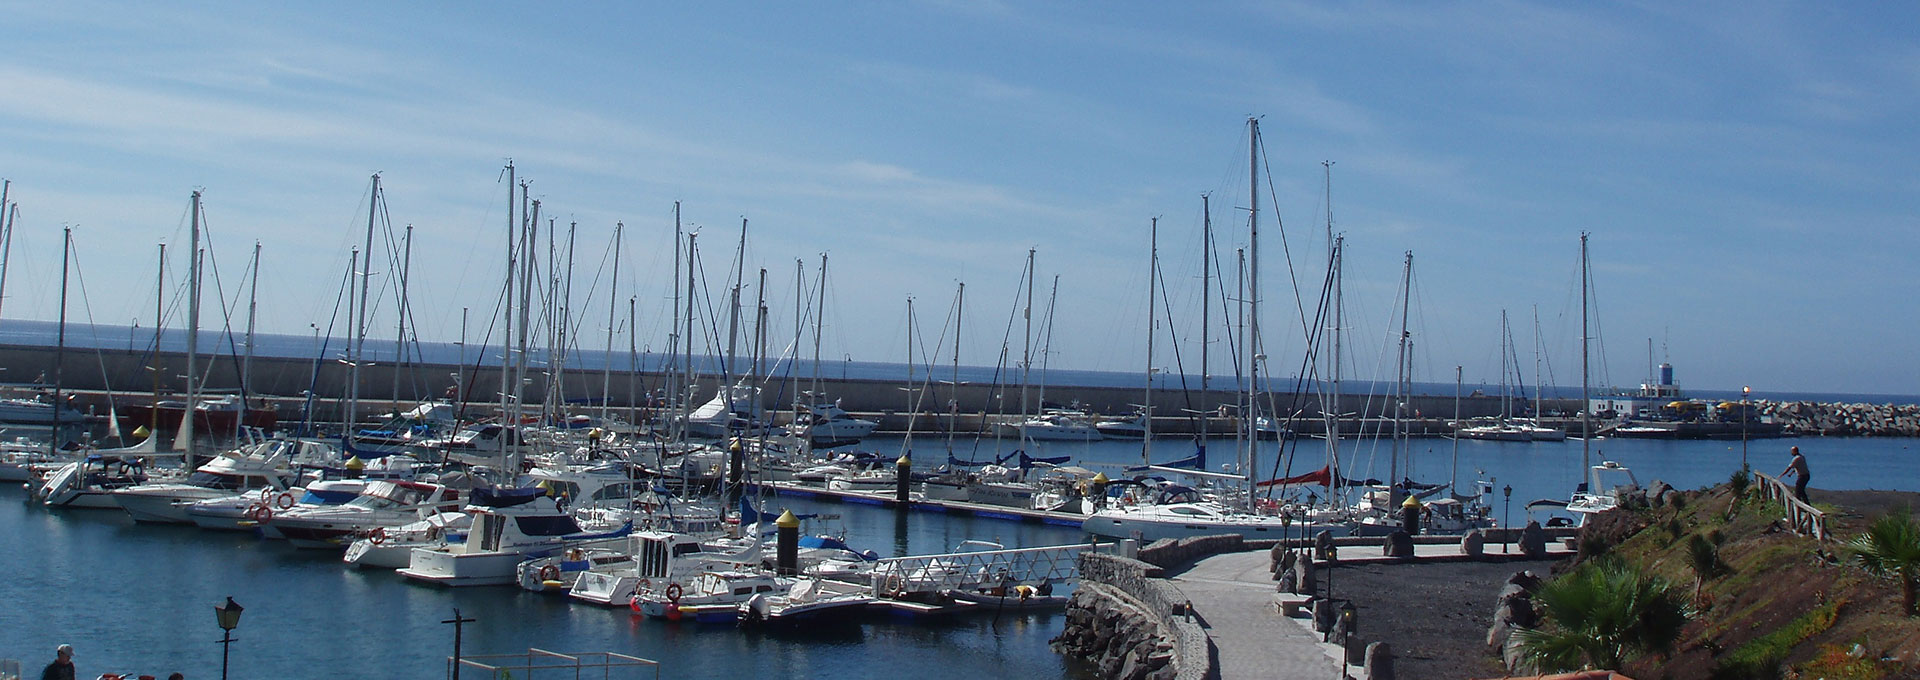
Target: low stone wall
1132, 624
1168, 553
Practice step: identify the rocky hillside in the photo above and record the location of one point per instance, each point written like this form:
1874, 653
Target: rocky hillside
1778, 605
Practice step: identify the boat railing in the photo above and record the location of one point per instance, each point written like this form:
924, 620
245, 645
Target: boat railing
523, 665
933, 573
1804, 518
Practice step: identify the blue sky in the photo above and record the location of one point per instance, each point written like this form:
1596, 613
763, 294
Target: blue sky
1747, 170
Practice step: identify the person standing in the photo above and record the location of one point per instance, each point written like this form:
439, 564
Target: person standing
1798, 468
62, 666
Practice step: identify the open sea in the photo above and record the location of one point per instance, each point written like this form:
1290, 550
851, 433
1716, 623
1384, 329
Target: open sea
138, 598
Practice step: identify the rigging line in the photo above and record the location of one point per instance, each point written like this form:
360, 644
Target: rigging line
86, 306
313, 380
1309, 371
226, 309
1173, 339
1286, 249
472, 375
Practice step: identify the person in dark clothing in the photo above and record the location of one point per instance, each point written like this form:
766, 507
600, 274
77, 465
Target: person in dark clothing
62, 666
1798, 468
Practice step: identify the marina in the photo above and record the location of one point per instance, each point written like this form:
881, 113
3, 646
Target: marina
75, 564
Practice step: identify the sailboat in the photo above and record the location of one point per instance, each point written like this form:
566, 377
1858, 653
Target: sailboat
1599, 492
1174, 511
1536, 430
1499, 429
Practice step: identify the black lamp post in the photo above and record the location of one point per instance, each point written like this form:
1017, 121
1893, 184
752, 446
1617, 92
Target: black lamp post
228, 615
1504, 515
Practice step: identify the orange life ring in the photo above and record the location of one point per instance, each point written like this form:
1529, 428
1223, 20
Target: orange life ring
259, 513
549, 573
673, 593
285, 500
378, 536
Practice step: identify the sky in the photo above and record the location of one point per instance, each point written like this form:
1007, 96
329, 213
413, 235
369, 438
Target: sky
1747, 173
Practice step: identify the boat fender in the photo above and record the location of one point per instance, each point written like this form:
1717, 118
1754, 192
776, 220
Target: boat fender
634, 603
378, 536
550, 573
673, 593
285, 500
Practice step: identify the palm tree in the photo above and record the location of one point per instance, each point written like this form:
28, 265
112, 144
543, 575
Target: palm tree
1892, 546
1704, 557
1601, 614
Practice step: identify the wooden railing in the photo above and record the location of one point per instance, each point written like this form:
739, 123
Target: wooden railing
1805, 518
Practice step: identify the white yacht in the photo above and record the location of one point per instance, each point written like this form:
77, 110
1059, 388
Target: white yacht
267, 464
509, 525
1056, 425
242, 512
1152, 522
827, 426
89, 482
392, 547
380, 505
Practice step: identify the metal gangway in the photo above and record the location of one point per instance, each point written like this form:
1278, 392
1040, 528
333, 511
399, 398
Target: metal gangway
967, 570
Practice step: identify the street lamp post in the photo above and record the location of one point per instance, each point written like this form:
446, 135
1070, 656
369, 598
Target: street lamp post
1504, 515
228, 616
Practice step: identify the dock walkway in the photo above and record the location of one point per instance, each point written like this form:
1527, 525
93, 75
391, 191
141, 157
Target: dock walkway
1235, 598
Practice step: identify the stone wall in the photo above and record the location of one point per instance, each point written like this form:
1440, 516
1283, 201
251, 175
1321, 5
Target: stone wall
1168, 553
1131, 624
1859, 420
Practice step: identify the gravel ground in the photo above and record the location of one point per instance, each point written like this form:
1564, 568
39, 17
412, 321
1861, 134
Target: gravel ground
1436, 615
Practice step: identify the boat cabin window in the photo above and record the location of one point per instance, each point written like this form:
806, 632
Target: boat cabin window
682, 549
214, 480
547, 526
743, 590
1187, 511
614, 492
763, 589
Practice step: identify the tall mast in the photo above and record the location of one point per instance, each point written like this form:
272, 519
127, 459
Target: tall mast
1400, 390
360, 321
159, 308
185, 439
6, 232
799, 332
819, 318
1253, 298
1586, 403
913, 411
60, 349
400, 327
1206, 302
1026, 354
246, 363
686, 405
506, 316
674, 386
1453, 473
1153, 265
613, 300
953, 397
529, 261
733, 318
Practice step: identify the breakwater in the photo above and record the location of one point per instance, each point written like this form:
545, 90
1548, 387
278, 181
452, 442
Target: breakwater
1843, 420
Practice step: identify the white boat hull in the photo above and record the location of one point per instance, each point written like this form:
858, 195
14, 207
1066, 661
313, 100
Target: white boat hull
463, 569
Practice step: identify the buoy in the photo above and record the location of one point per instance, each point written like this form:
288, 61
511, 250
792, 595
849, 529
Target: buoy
673, 593
355, 464
285, 500
379, 536
549, 573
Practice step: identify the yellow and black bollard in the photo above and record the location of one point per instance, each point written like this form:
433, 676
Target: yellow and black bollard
903, 480
1410, 515
787, 548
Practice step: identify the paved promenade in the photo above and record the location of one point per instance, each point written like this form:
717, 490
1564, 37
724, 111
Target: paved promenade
1232, 595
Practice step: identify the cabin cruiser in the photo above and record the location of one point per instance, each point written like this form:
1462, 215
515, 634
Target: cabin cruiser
509, 525
241, 512
1497, 431
1055, 425
1129, 428
658, 559
89, 482
709, 597
266, 464
392, 547
827, 426
382, 504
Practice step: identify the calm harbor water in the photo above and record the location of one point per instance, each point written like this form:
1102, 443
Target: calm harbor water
138, 598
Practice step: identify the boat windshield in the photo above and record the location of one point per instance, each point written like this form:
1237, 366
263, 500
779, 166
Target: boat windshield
215, 480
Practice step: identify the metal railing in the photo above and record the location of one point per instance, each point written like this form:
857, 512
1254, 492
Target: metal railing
540, 663
1805, 518
958, 571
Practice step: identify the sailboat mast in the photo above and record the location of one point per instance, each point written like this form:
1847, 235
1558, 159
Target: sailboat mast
686, 403
60, 349
185, 438
953, 397
1586, 403
819, 318
360, 320
159, 308
799, 332
733, 315
613, 305
506, 317
246, 363
1206, 303
1146, 415
1254, 357
1453, 472
1026, 354
6, 232
400, 326
1400, 390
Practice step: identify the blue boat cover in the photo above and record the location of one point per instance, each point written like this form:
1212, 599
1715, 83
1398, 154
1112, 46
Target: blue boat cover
498, 497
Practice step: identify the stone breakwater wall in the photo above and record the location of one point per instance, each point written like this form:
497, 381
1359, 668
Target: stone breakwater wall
1843, 420
1131, 624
